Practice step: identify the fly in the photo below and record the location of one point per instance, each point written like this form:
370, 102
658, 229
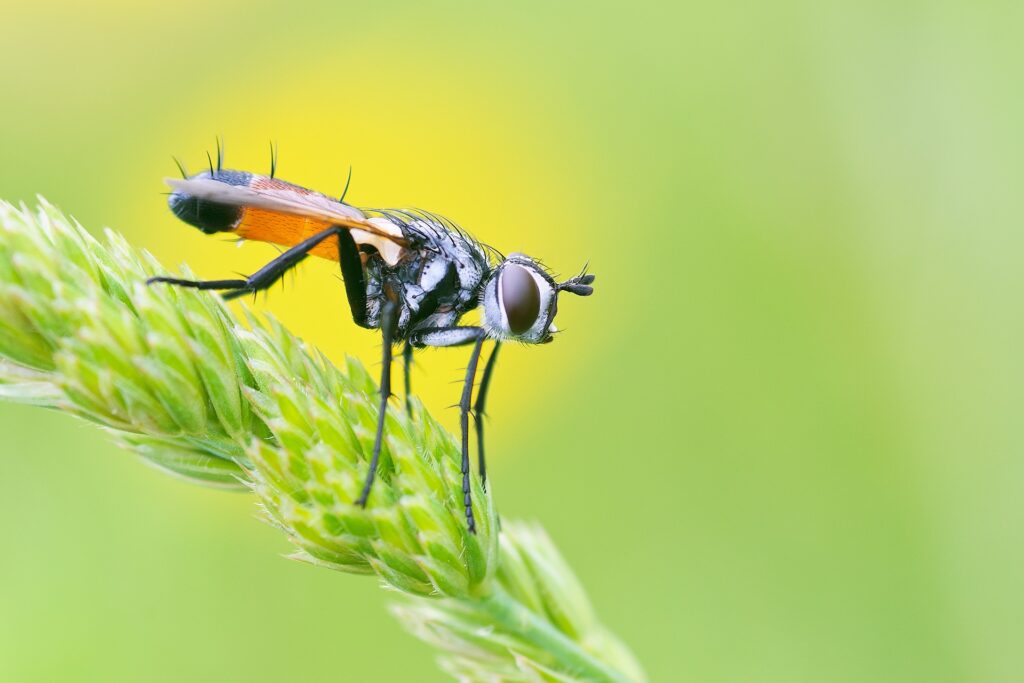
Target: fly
408, 273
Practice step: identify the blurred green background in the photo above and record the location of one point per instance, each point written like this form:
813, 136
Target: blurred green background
781, 443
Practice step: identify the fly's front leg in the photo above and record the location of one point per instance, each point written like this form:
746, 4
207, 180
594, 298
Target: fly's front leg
464, 404
478, 412
438, 337
262, 278
460, 336
388, 322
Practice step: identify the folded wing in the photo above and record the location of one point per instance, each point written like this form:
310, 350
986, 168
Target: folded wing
271, 207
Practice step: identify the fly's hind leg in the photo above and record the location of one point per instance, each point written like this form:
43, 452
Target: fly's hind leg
262, 278
388, 323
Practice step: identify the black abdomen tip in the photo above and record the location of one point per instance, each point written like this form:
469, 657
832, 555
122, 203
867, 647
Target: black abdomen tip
205, 215
210, 217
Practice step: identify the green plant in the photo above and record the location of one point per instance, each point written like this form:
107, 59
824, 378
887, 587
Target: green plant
174, 377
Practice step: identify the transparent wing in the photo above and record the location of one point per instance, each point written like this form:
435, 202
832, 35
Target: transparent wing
291, 200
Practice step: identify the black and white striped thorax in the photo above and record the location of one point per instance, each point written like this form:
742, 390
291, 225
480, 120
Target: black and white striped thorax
438, 278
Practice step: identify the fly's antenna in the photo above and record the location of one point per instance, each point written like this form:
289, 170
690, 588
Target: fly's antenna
348, 181
181, 167
579, 285
220, 153
273, 159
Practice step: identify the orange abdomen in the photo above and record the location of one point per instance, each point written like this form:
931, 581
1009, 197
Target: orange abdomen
278, 228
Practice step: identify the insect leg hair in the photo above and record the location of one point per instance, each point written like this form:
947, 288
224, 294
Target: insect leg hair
388, 323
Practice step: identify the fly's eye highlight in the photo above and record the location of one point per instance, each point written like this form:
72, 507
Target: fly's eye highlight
520, 298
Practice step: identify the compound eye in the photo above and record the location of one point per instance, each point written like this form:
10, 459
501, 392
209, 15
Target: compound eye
520, 297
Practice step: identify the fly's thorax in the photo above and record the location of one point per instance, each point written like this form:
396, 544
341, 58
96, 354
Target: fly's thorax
433, 284
520, 301
442, 272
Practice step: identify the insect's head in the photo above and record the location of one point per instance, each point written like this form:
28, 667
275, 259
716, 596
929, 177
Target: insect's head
521, 299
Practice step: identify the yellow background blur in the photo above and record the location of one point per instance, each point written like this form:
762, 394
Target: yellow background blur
782, 442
